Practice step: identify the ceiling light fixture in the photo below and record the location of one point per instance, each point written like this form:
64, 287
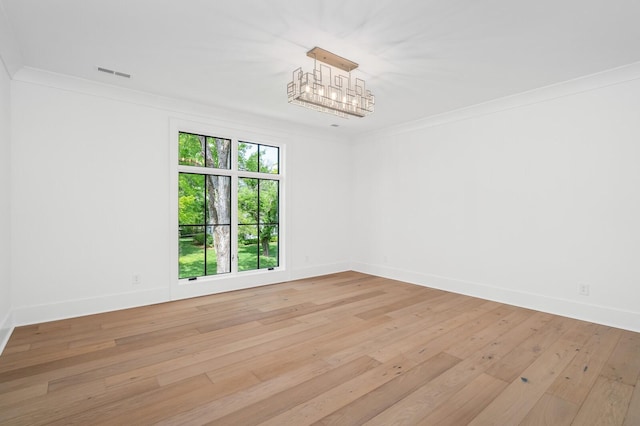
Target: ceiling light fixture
329, 88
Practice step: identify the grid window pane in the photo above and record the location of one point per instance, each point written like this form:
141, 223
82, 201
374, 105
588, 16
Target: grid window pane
268, 246
191, 259
253, 157
205, 224
247, 201
268, 194
219, 153
219, 252
269, 159
191, 199
258, 223
247, 157
247, 247
190, 150
218, 200
204, 151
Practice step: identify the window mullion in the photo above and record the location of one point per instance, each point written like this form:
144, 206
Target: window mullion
204, 171
206, 222
258, 175
258, 217
234, 206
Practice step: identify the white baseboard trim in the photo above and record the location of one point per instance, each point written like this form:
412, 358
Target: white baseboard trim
604, 315
318, 270
207, 286
26, 315
6, 328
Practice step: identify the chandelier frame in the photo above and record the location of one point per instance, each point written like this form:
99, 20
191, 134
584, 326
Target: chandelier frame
330, 88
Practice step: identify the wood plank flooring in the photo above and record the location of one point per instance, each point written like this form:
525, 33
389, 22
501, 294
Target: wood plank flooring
341, 349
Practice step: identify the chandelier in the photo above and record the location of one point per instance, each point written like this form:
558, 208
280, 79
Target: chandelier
329, 88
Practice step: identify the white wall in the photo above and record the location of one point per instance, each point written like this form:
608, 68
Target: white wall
520, 200
5, 197
10, 55
91, 206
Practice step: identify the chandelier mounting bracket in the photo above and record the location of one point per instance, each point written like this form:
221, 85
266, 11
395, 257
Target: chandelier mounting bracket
332, 59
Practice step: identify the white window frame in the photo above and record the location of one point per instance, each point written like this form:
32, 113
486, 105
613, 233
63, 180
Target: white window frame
234, 280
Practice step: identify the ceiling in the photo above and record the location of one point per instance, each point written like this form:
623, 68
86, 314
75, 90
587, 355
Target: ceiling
419, 58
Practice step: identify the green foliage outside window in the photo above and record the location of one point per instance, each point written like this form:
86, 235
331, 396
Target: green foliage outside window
204, 209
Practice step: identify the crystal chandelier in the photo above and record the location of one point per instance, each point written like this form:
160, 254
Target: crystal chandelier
329, 87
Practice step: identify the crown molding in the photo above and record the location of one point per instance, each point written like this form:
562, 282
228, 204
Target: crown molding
572, 87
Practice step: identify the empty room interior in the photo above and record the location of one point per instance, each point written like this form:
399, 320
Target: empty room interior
317, 212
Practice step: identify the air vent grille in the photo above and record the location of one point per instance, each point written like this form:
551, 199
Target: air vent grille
112, 72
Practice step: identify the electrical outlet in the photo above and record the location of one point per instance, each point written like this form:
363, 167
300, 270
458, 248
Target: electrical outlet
136, 279
583, 289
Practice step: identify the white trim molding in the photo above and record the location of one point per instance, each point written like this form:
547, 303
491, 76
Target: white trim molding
6, 329
586, 83
76, 308
618, 318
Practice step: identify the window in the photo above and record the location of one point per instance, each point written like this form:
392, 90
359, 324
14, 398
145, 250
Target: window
228, 206
257, 207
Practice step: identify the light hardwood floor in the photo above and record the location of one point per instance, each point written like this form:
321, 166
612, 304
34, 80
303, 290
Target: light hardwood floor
342, 349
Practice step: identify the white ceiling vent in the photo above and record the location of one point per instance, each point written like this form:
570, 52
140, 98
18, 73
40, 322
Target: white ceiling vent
118, 73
